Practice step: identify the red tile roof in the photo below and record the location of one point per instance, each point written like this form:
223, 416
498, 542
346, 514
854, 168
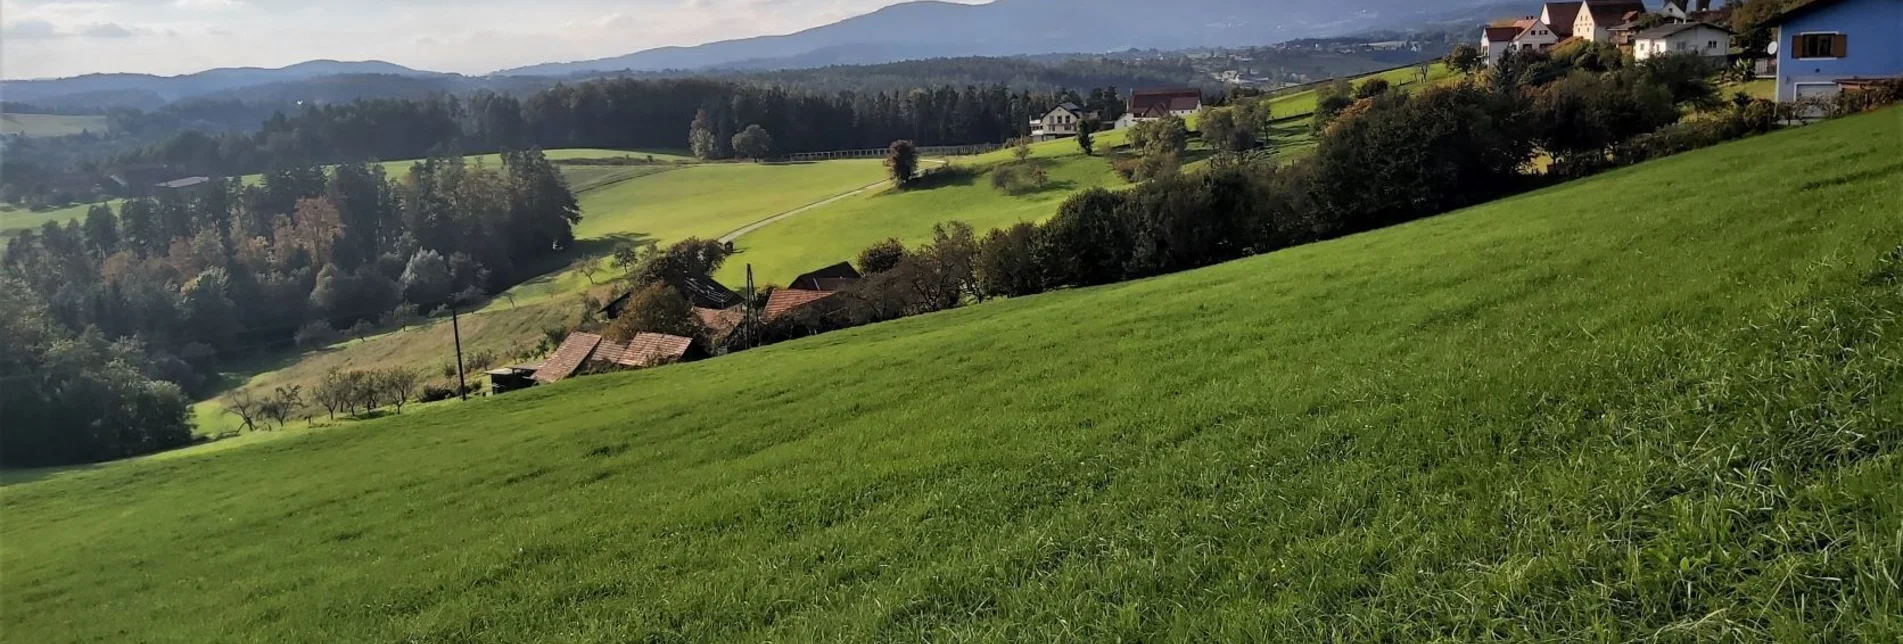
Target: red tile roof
787, 299
1503, 34
722, 322
1563, 15
568, 358
1170, 100
1606, 13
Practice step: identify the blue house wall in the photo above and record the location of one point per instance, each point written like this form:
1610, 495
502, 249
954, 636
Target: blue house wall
1874, 31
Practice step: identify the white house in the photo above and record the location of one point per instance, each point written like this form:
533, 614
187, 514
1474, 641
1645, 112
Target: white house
1062, 121
1597, 17
1704, 39
1495, 42
1534, 35
1527, 33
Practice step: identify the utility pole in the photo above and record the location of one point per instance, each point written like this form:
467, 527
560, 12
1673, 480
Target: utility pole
456, 327
747, 318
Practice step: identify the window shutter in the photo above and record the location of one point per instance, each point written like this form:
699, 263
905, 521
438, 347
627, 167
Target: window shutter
1797, 47
1841, 47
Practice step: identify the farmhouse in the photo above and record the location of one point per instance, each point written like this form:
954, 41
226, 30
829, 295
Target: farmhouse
587, 352
1153, 104
1061, 121
1505, 36
1710, 41
1596, 18
1827, 45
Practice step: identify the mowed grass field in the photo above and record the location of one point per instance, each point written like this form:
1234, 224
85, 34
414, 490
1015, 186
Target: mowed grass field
837, 232
1656, 405
49, 125
704, 201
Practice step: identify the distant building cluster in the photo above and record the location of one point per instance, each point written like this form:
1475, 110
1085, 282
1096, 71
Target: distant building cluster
1151, 104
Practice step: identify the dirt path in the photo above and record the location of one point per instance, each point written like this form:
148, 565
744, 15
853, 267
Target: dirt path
749, 228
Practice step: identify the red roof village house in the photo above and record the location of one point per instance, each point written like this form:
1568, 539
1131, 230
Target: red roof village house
1152, 104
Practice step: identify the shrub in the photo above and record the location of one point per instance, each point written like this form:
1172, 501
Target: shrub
881, 257
1007, 262
1019, 179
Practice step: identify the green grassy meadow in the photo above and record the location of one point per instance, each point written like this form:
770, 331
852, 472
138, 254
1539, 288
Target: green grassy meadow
1659, 404
50, 125
704, 201
837, 232
1302, 103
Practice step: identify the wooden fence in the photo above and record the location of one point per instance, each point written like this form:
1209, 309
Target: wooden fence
879, 153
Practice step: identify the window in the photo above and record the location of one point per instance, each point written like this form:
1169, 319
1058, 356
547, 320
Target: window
1711, 44
1820, 45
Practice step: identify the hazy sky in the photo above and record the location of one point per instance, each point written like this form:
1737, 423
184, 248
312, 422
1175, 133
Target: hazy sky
47, 38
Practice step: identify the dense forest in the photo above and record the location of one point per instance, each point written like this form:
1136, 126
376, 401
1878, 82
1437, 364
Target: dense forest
164, 290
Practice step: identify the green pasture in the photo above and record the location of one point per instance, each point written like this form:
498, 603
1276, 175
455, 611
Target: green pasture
1660, 404
50, 125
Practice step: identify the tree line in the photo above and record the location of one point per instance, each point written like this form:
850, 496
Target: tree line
194, 278
611, 113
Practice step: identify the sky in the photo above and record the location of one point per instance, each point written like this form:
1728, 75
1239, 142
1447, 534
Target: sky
57, 38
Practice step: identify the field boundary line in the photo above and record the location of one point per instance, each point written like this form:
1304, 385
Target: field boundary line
749, 228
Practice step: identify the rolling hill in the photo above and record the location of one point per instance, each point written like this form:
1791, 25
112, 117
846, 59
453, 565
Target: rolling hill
928, 29
1658, 404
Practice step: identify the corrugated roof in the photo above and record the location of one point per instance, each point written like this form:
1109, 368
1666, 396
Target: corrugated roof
788, 299
568, 358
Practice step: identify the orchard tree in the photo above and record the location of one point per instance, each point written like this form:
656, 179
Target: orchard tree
1466, 58
901, 162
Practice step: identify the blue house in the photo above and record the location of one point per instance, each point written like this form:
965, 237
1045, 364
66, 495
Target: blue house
1827, 44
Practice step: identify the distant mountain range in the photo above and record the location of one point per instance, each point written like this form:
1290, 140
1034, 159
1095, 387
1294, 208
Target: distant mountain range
146, 90
908, 31
1010, 27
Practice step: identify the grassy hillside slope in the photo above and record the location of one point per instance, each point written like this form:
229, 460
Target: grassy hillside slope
1302, 103
1659, 404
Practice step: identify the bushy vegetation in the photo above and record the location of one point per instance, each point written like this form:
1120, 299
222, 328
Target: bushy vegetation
225, 271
